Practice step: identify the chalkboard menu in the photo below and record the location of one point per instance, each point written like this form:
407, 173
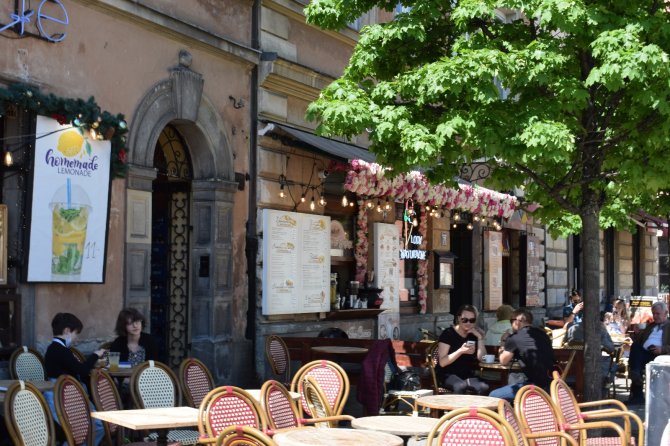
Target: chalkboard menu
296, 262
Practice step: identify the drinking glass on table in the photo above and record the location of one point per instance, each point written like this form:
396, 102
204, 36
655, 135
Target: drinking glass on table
113, 359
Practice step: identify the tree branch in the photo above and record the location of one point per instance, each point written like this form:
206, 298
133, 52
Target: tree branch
554, 194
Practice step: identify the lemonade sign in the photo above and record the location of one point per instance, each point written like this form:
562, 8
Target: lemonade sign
70, 205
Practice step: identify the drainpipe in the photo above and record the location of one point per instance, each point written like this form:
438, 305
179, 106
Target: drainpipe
251, 244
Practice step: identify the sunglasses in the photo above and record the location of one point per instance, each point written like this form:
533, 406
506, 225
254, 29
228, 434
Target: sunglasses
466, 320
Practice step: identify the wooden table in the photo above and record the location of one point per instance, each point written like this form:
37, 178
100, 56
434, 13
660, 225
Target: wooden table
159, 419
439, 403
336, 437
338, 353
42, 386
256, 394
124, 372
503, 370
400, 425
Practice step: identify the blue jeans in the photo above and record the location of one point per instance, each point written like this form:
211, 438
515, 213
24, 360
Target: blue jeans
98, 428
507, 392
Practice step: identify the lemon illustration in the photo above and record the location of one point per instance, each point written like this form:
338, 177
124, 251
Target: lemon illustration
70, 142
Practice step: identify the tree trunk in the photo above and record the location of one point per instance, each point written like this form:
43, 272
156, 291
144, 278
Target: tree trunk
591, 295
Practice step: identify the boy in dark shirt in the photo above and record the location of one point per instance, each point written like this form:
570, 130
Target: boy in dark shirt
59, 360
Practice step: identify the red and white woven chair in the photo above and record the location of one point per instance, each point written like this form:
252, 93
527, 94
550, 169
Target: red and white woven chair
27, 364
74, 413
278, 356
152, 385
196, 381
506, 411
228, 406
27, 416
538, 414
243, 436
330, 377
471, 427
563, 397
318, 405
282, 411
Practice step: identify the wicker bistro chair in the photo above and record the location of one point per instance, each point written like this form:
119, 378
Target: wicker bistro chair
152, 385
318, 404
472, 427
565, 400
330, 377
278, 356
243, 436
228, 406
27, 416
196, 381
432, 360
72, 407
506, 411
538, 414
282, 411
78, 354
27, 364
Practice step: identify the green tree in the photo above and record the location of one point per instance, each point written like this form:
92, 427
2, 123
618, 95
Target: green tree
566, 97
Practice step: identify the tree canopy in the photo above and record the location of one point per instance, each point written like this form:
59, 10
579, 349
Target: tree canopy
568, 98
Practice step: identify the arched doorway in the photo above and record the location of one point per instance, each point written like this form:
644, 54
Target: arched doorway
170, 246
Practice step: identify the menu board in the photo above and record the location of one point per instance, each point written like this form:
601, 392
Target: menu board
296, 262
492, 270
533, 272
387, 264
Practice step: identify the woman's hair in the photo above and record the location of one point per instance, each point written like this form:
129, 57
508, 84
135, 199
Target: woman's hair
464, 308
504, 312
126, 316
574, 293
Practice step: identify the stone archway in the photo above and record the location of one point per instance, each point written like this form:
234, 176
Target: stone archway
178, 101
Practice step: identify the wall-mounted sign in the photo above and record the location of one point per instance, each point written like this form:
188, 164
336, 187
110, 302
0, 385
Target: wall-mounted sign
50, 19
493, 296
418, 254
70, 204
386, 241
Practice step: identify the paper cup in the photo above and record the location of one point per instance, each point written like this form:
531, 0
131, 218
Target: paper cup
489, 359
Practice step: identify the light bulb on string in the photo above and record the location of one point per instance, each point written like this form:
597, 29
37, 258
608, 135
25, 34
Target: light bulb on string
475, 218
9, 160
345, 202
469, 226
351, 204
457, 216
322, 201
454, 226
282, 194
427, 207
387, 206
369, 204
302, 198
312, 205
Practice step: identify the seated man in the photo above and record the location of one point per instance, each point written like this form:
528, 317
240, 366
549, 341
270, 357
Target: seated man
575, 335
59, 360
654, 340
572, 313
532, 347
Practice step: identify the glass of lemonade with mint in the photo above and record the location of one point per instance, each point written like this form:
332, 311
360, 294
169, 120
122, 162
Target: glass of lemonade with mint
70, 210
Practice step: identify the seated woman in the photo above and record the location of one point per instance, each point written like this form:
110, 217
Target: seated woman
620, 315
134, 345
460, 348
502, 325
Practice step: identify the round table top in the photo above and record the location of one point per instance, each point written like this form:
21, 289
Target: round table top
396, 424
454, 401
339, 349
336, 437
124, 372
498, 366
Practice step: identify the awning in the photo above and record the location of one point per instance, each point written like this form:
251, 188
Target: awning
328, 146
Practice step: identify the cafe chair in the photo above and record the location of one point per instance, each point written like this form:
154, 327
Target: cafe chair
243, 436
153, 385
282, 411
105, 395
27, 416
278, 356
432, 361
196, 381
330, 377
565, 400
537, 413
78, 354
228, 406
27, 364
318, 405
472, 427
74, 413
506, 411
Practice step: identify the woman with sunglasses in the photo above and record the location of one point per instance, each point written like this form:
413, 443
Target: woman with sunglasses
459, 349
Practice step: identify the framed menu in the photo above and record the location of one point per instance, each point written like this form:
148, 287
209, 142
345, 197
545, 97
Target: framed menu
387, 264
493, 248
296, 262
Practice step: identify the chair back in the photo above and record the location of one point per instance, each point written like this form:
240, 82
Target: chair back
78, 354
27, 416
74, 413
330, 377
472, 427
153, 385
432, 360
105, 397
278, 356
317, 402
196, 381
243, 436
27, 364
228, 406
506, 411
537, 414
279, 407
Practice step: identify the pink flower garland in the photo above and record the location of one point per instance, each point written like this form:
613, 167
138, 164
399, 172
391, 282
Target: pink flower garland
422, 268
361, 250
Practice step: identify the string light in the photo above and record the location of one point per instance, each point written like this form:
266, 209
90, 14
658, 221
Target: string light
9, 160
282, 195
312, 205
322, 201
302, 198
387, 206
454, 226
369, 204
345, 202
457, 216
469, 226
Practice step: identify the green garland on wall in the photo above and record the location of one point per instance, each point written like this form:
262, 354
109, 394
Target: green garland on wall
83, 114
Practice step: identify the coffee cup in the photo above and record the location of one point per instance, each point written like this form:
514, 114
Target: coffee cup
489, 359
